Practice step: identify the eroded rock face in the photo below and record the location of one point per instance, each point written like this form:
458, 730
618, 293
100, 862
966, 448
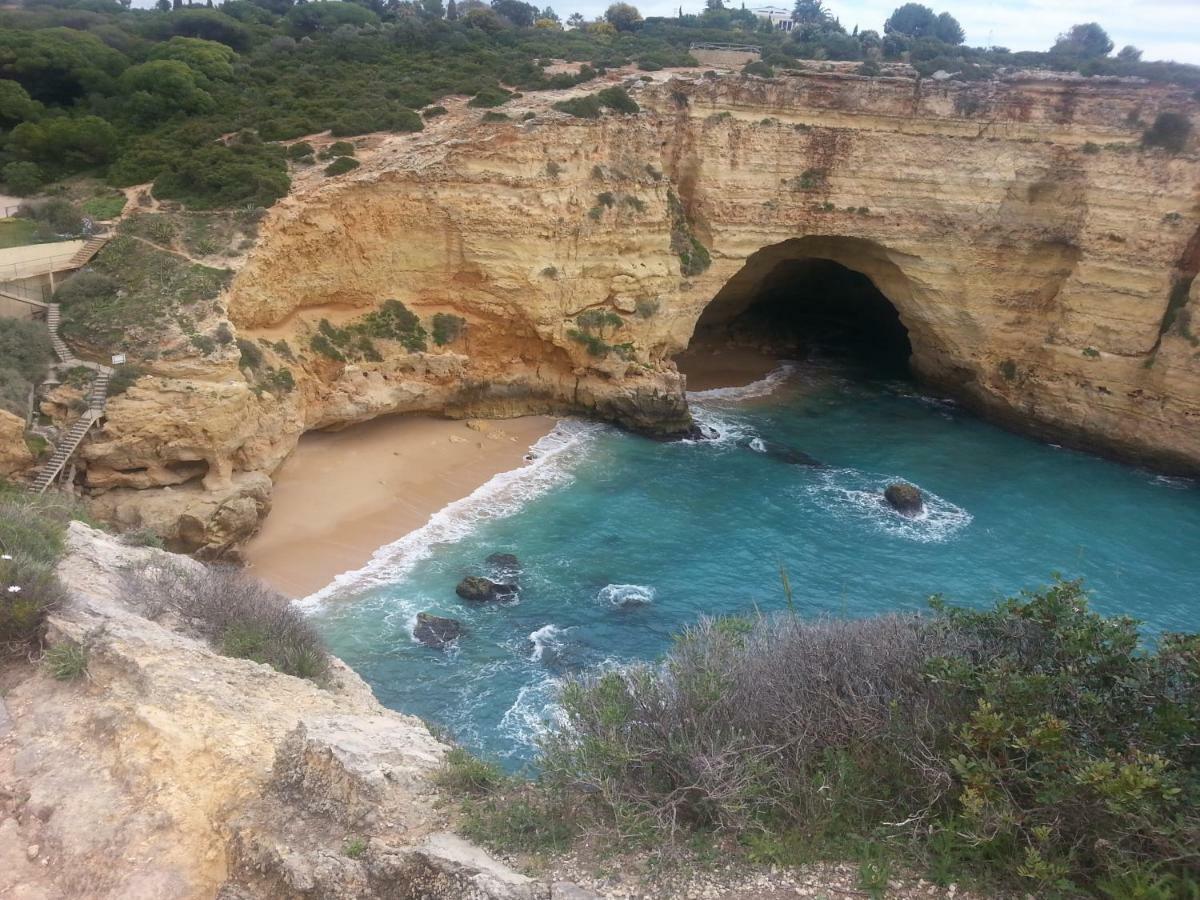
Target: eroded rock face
173, 771
14, 452
1040, 259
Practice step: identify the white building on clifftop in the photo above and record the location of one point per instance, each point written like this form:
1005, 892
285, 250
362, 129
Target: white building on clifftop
780, 18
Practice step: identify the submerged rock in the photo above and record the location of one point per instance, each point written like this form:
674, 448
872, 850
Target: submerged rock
478, 589
790, 455
505, 567
904, 498
436, 631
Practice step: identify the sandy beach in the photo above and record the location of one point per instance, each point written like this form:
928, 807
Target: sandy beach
342, 495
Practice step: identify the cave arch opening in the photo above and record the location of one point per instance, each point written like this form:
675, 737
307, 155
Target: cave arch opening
829, 297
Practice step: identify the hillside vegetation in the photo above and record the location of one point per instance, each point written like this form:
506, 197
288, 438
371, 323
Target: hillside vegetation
1036, 745
196, 98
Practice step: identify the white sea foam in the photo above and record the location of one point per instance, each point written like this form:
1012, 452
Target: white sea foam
1177, 482
548, 637
551, 460
626, 594
757, 445
849, 493
765, 386
534, 713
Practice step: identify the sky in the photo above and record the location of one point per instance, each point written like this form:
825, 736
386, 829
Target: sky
1163, 29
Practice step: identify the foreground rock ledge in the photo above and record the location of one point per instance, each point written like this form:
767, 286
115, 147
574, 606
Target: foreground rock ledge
174, 772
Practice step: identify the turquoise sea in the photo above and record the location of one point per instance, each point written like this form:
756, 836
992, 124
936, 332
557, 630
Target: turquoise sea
623, 541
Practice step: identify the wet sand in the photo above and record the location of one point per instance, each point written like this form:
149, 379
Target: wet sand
719, 367
342, 495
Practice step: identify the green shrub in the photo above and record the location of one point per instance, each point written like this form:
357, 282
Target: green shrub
355, 847
336, 149
447, 328
647, 307
490, 96
300, 150
493, 116
434, 111
761, 69
618, 100
585, 107
251, 355
122, 378
464, 773
1035, 744
341, 166
693, 256
67, 661
25, 355
606, 199
241, 617
32, 541
23, 178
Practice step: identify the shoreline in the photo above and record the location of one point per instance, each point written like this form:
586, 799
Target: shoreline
342, 495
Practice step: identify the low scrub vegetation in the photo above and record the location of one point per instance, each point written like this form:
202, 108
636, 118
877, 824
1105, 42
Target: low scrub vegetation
590, 106
32, 541
1037, 745
393, 321
133, 295
25, 354
240, 617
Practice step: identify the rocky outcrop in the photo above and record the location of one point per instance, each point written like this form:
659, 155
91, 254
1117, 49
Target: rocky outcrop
477, 589
1040, 259
436, 631
904, 498
14, 452
173, 771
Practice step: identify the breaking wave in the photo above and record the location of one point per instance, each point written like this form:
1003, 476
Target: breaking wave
550, 461
851, 494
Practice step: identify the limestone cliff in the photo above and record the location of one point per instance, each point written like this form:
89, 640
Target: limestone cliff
171, 771
1040, 259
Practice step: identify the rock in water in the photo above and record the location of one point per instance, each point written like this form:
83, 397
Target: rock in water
478, 589
503, 561
904, 498
436, 631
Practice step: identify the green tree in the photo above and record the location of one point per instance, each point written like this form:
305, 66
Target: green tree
65, 145
1086, 41
947, 29
161, 88
211, 59
16, 105
520, 14
623, 17
327, 15
912, 19
58, 65
1130, 53
452, 11
810, 12
23, 178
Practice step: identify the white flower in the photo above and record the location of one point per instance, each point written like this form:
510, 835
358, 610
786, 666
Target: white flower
6, 556
15, 589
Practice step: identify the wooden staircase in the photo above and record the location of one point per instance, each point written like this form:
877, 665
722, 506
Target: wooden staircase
97, 400
85, 253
